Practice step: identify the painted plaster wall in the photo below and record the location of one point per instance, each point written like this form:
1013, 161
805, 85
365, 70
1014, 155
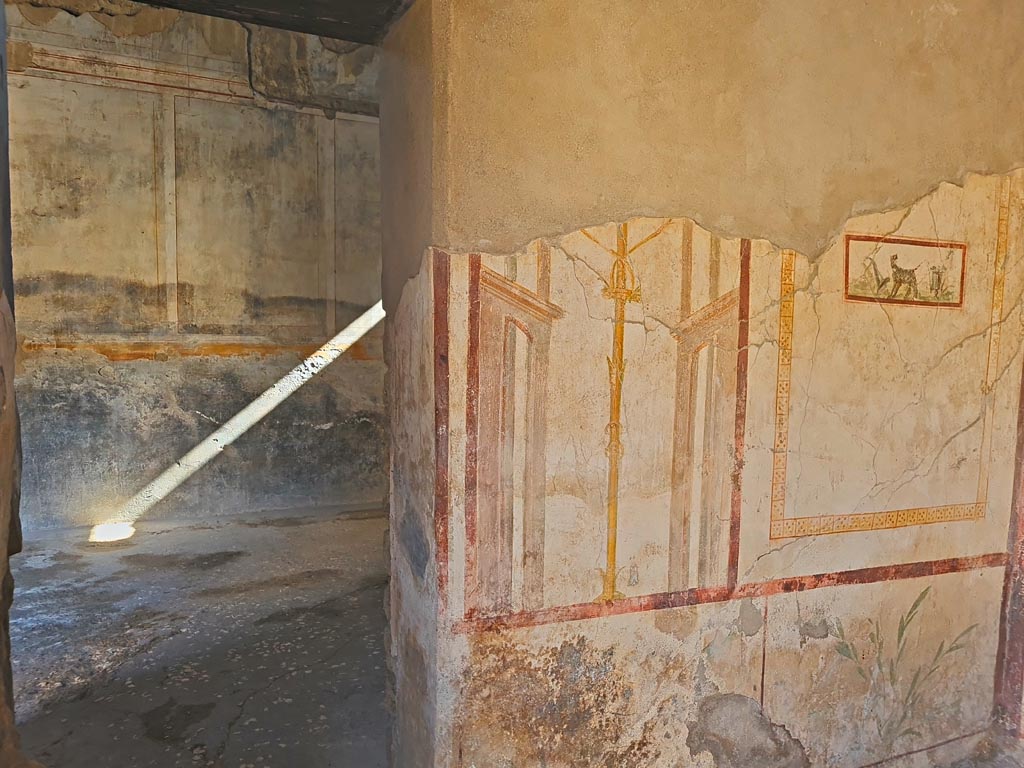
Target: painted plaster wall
409, 103
816, 442
783, 502
416, 386
196, 208
776, 120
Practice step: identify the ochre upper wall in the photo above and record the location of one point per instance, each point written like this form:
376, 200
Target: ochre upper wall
775, 119
406, 129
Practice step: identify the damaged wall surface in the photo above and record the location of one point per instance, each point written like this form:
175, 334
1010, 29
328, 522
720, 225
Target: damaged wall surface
775, 120
10, 443
196, 209
702, 497
682, 552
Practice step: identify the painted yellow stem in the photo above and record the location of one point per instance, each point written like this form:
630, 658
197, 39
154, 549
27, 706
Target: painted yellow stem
621, 289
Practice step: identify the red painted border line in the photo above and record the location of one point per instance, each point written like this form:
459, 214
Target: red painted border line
582, 611
472, 428
872, 575
946, 743
183, 88
907, 241
764, 651
442, 276
44, 53
741, 415
1009, 696
701, 596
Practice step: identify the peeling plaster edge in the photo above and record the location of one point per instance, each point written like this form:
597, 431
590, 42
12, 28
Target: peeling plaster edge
353, 108
858, 210
835, 234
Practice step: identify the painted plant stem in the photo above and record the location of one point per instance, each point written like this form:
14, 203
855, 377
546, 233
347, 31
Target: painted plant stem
621, 289
893, 699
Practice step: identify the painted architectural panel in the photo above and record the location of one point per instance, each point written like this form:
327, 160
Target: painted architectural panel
510, 337
707, 449
649, 406
569, 337
856, 380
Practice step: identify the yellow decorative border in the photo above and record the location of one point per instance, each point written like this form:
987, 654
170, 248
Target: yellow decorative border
789, 528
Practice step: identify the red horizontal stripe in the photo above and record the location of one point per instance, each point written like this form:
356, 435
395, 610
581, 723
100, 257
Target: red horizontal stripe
702, 596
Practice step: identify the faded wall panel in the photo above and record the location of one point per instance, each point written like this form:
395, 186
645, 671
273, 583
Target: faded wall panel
84, 207
249, 214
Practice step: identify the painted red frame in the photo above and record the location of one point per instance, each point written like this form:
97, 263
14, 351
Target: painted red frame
951, 244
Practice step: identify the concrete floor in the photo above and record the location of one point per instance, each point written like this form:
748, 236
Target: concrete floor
254, 643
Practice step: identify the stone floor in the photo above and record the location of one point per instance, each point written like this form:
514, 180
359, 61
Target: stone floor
255, 642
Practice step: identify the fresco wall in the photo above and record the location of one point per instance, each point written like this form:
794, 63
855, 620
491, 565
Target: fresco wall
196, 210
706, 501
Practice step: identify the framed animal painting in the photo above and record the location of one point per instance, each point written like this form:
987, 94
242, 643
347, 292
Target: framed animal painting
900, 270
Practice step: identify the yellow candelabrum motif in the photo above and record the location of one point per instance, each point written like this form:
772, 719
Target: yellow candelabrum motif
622, 288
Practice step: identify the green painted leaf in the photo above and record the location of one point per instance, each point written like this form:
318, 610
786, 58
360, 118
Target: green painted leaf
920, 599
963, 635
913, 685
